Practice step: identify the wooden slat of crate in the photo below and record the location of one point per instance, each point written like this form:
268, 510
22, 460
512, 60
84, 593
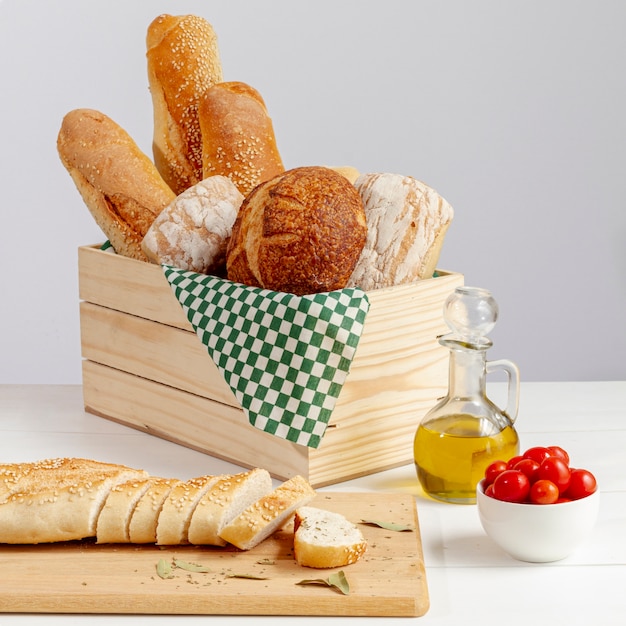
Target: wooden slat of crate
157, 376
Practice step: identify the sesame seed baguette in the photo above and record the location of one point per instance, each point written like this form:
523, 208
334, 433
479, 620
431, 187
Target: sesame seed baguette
145, 517
237, 134
183, 62
114, 519
178, 507
56, 499
226, 499
324, 539
268, 514
119, 184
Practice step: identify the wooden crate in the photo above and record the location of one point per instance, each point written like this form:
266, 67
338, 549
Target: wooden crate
145, 367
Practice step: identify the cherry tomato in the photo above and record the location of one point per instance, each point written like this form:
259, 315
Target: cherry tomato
530, 467
493, 470
582, 484
543, 492
489, 491
558, 451
511, 463
538, 453
556, 470
511, 486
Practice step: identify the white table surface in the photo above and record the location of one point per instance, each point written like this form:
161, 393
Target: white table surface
470, 580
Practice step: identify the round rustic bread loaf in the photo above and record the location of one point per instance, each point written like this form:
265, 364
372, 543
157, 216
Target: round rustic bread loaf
300, 232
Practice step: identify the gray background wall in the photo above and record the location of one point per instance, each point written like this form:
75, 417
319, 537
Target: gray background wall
512, 110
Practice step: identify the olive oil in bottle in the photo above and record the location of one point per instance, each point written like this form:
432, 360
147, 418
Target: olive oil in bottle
453, 456
465, 431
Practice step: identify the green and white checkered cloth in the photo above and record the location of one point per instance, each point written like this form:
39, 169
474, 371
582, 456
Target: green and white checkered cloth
285, 357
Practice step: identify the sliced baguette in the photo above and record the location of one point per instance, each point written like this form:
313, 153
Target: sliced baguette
56, 499
178, 507
114, 520
226, 499
145, 517
268, 514
325, 539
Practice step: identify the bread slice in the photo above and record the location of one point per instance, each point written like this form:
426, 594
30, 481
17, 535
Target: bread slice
226, 499
178, 507
268, 514
144, 519
114, 520
56, 499
325, 539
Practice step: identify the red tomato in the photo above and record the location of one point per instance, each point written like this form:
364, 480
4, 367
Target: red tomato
582, 483
489, 491
558, 451
493, 470
529, 467
556, 470
538, 453
514, 461
543, 492
511, 486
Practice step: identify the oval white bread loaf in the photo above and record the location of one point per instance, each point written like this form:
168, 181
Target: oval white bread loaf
407, 222
145, 517
56, 499
325, 539
192, 232
301, 232
226, 499
183, 62
178, 507
119, 184
268, 514
238, 138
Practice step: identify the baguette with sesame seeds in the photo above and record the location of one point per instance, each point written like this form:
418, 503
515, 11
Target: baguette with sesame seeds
324, 539
183, 62
119, 184
56, 499
238, 138
226, 499
145, 517
268, 514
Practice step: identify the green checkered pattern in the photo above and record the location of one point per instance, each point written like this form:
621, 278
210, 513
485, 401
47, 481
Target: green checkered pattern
285, 357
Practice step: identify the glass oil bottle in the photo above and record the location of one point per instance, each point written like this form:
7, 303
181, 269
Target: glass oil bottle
465, 431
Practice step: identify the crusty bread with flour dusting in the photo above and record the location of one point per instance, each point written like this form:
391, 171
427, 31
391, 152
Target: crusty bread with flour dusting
407, 221
192, 232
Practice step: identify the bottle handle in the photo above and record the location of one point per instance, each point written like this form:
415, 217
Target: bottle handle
512, 372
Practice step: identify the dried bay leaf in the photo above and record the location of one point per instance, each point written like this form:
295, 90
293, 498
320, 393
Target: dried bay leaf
164, 569
191, 567
337, 581
399, 528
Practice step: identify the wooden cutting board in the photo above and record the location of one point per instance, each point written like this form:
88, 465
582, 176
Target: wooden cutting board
83, 577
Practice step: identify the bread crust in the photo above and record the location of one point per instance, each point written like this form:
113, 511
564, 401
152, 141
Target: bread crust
268, 514
119, 184
56, 499
300, 232
238, 138
407, 221
192, 232
324, 539
183, 62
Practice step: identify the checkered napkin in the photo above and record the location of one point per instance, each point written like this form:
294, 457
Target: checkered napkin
285, 357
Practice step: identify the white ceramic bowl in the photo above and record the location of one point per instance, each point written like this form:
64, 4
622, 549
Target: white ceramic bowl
537, 533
